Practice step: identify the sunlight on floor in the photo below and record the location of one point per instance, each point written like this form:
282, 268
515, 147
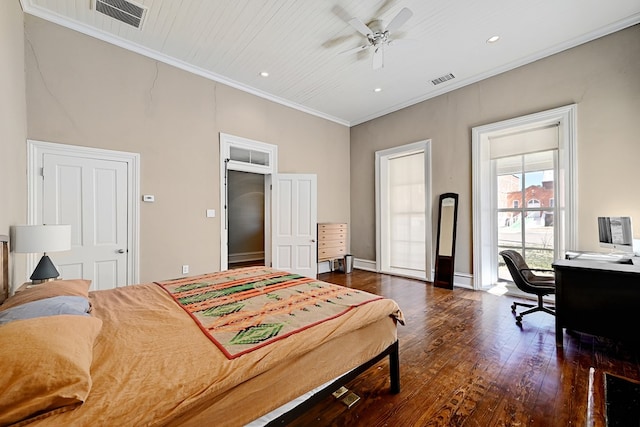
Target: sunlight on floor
499, 289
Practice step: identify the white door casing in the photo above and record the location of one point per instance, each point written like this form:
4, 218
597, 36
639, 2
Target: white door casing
236, 153
295, 218
95, 191
382, 200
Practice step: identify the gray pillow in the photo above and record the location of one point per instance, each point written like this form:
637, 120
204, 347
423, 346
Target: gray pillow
47, 307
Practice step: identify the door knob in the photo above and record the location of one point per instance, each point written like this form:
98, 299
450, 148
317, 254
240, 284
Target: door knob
121, 251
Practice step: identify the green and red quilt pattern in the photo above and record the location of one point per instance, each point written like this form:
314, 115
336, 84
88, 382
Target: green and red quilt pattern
245, 309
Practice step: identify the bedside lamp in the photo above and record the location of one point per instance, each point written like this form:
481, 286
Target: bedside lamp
42, 238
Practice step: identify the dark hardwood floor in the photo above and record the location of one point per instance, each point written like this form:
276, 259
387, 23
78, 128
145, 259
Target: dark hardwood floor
465, 362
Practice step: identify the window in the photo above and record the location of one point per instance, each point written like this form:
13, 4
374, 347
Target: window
407, 212
403, 210
517, 153
530, 229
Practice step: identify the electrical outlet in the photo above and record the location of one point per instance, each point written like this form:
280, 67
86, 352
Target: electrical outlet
185, 269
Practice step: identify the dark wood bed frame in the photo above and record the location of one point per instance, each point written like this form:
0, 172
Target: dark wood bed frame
394, 374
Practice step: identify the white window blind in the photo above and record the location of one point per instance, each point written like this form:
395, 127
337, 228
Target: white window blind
524, 142
407, 211
538, 161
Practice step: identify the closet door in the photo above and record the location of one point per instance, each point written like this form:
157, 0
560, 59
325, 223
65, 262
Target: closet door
294, 223
91, 195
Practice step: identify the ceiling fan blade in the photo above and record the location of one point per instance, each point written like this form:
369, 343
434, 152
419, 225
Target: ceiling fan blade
402, 17
360, 26
354, 50
337, 40
378, 57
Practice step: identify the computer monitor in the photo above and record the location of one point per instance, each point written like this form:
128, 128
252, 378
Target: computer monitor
615, 233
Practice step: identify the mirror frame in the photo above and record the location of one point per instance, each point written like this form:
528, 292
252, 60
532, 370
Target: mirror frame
444, 269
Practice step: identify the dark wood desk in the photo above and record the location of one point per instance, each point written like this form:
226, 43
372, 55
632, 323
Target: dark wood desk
599, 298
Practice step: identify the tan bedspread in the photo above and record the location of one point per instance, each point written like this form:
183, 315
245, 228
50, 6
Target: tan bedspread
153, 366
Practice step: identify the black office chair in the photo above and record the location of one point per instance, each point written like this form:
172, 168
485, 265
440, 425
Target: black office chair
527, 281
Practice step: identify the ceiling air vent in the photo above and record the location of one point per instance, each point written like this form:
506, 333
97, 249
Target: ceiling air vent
122, 10
443, 79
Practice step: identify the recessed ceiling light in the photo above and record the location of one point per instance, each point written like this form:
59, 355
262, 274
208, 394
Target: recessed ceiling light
264, 74
493, 39
378, 89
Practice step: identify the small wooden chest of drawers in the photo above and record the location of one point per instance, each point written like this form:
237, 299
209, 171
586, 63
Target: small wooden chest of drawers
332, 241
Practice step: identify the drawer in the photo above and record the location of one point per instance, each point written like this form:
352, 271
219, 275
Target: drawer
329, 227
323, 244
330, 253
332, 236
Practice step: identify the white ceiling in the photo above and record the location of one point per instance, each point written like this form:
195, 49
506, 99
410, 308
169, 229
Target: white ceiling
299, 43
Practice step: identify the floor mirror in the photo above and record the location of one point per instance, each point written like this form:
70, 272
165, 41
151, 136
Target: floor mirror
446, 241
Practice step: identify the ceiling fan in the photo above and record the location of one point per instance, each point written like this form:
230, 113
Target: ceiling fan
378, 36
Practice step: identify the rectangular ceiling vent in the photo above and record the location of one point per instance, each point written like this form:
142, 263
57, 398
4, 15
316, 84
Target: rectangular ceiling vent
122, 10
443, 79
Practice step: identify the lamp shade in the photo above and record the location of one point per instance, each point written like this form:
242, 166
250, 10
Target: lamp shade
41, 238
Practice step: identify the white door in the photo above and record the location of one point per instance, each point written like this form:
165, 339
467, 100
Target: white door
91, 195
294, 223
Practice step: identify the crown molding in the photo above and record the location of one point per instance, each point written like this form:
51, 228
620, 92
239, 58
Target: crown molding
616, 26
47, 15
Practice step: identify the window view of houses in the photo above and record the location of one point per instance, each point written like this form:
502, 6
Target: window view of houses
526, 207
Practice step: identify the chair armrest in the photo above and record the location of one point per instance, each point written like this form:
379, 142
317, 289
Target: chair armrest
540, 280
537, 269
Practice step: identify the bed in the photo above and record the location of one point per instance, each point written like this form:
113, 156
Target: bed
145, 355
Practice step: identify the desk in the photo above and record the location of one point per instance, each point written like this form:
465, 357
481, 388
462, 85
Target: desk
599, 298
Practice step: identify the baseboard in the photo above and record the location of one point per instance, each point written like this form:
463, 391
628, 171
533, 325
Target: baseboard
462, 280
245, 257
364, 264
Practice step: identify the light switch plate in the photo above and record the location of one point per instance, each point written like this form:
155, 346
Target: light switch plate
150, 198
211, 213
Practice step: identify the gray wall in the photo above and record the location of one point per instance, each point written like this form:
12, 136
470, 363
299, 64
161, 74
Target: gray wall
82, 91
602, 77
13, 122
86, 92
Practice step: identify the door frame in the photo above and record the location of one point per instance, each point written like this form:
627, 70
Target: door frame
227, 142
381, 157
35, 152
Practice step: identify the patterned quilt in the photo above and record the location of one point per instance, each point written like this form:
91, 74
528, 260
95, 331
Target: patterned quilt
245, 309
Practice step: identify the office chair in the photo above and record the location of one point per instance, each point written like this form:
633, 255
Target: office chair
528, 282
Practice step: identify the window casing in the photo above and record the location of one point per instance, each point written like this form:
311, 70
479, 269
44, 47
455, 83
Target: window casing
564, 119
